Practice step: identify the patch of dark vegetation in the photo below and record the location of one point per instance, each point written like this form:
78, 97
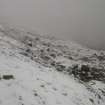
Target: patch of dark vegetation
55, 89
42, 86
70, 57
64, 94
99, 97
91, 100
35, 94
28, 50
20, 97
7, 77
46, 53
86, 73
0, 78
24, 53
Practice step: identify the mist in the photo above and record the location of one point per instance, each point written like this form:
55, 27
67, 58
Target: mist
80, 20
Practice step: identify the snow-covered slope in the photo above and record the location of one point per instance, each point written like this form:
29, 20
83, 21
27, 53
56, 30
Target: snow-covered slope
40, 71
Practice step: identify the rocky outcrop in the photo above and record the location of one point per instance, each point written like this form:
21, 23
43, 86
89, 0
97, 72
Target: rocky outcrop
86, 73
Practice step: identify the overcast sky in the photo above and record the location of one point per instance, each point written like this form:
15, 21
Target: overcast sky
79, 20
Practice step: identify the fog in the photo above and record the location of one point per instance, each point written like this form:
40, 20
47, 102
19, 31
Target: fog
79, 20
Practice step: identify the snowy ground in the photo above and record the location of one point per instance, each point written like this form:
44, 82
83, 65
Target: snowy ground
30, 83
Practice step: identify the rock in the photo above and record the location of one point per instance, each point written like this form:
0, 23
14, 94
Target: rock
60, 67
53, 55
8, 77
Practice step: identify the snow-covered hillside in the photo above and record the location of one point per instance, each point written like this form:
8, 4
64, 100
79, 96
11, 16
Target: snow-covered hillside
36, 70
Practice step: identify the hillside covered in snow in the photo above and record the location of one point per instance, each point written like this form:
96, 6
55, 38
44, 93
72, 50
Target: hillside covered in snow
36, 70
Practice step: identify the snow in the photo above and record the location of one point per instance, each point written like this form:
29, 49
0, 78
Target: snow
34, 84
29, 78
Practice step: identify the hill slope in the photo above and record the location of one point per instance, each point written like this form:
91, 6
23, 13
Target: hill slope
35, 70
